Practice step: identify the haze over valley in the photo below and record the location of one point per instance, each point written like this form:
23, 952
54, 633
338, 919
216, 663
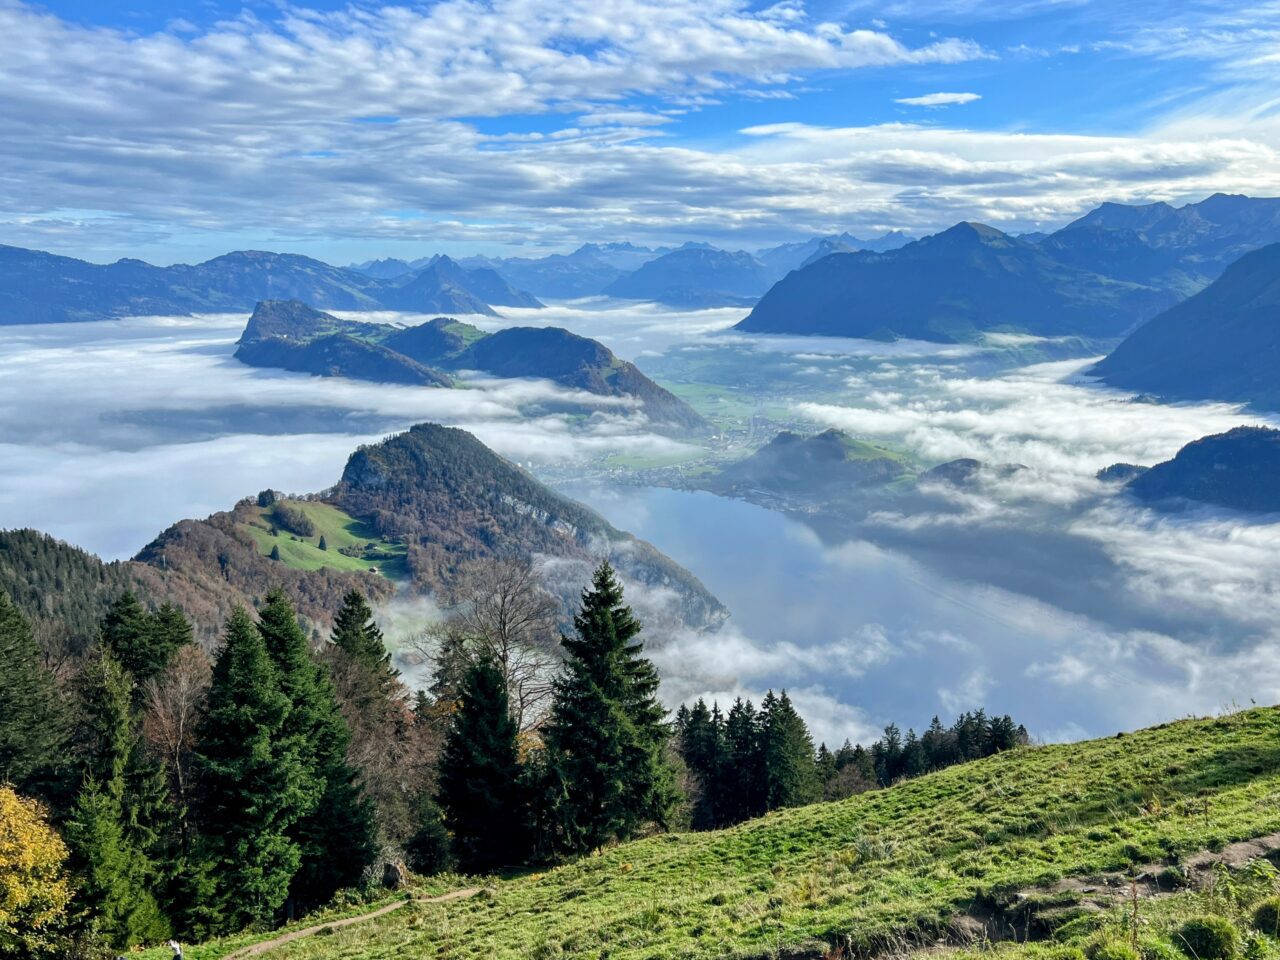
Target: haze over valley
651, 480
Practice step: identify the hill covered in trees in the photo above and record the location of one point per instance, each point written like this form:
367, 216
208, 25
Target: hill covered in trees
293, 336
408, 512
823, 467
1236, 469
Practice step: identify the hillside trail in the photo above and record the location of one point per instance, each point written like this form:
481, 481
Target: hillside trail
263, 946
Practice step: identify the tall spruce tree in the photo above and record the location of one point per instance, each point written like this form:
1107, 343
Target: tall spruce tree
702, 748
744, 789
357, 635
255, 785
143, 642
607, 733
33, 723
480, 775
335, 834
121, 811
791, 778
114, 877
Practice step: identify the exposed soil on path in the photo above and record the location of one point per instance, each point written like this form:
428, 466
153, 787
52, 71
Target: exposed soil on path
255, 949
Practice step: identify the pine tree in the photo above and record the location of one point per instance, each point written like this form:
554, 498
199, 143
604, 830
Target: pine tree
335, 833
790, 776
114, 875
323, 545
255, 785
607, 732
480, 775
142, 642
357, 635
121, 811
701, 733
33, 724
172, 631
914, 761
743, 783
887, 754
275, 551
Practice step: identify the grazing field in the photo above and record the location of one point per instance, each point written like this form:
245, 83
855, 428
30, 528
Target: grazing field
1032, 845
341, 532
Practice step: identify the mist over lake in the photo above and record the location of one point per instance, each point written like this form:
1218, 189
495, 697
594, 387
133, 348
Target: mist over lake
1041, 591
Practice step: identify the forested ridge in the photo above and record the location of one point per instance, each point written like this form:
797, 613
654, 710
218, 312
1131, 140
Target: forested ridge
180, 792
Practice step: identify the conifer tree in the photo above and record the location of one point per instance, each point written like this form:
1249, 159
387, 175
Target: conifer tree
790, 776
607, 732
357, 635
121, 810
114, 876
743, 789
275, 551
480, 775
142, 642
323, 545
701, 733
255, 785
33, 725
914, 761
335, 833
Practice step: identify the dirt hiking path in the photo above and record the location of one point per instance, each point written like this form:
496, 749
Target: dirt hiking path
255, 949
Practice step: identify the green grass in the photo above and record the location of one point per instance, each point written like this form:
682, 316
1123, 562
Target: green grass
714, 401
635, 461
340, 530
214, 949
861, 450
882, 868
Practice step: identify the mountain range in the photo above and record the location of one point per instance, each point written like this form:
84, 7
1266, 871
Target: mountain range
951, 287
290, 335
1100, 276
38, 287
1177, 248
1221, 344
691, 275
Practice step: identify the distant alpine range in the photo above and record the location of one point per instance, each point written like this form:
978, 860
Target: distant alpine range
1194, 289
1100, 276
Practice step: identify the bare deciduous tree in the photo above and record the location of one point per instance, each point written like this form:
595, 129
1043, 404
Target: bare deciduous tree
505, 615
174, 702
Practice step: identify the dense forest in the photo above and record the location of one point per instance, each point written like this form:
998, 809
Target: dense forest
152, 791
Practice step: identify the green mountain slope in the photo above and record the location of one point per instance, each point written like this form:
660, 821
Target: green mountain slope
290, 335
1221, 344
1024, 844
827, 465
1236, 469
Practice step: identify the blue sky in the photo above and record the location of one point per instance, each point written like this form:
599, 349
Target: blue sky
176, 131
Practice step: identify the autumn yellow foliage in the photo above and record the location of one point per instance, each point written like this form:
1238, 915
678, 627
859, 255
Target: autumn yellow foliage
34, 888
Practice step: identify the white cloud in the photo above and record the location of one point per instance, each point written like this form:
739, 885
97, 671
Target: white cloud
255, 128
133, 412
939, 99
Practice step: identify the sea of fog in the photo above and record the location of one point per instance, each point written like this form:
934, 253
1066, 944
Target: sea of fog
1041, 591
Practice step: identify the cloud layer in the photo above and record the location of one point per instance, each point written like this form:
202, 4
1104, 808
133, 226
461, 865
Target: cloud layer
530, 123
